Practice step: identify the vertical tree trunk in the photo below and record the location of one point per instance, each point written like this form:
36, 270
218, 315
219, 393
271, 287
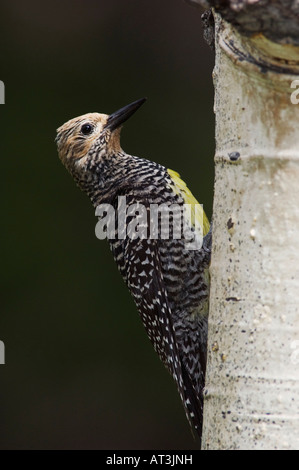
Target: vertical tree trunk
252, 382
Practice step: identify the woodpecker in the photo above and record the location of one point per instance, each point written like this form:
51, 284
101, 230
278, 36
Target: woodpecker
168, 281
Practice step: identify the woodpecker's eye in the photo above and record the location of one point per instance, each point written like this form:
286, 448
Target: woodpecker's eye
86, 129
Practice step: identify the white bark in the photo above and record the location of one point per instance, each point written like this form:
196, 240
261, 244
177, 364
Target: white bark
252, 382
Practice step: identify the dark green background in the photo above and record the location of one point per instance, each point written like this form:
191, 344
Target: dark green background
80, 371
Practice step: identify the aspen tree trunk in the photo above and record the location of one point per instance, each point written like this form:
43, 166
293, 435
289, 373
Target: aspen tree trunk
252, 381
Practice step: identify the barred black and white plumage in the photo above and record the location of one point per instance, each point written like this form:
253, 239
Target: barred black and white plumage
169, 281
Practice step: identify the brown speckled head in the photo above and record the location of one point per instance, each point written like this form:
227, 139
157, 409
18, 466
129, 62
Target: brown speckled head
76, 137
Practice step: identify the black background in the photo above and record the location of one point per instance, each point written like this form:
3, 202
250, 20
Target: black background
80, 372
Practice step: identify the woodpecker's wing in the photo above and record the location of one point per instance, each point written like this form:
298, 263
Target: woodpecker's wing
144, 277
145, 281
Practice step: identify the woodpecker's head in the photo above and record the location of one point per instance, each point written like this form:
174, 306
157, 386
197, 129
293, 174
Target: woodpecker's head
77, 137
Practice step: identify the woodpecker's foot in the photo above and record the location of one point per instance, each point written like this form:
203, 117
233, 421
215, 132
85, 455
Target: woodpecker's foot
207, 240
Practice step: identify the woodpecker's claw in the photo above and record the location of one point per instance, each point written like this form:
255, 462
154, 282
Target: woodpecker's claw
207, 240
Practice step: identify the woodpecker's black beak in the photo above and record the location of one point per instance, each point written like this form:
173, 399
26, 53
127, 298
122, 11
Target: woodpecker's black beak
119, 117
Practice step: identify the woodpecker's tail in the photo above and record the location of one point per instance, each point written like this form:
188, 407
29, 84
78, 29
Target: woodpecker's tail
193, 403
